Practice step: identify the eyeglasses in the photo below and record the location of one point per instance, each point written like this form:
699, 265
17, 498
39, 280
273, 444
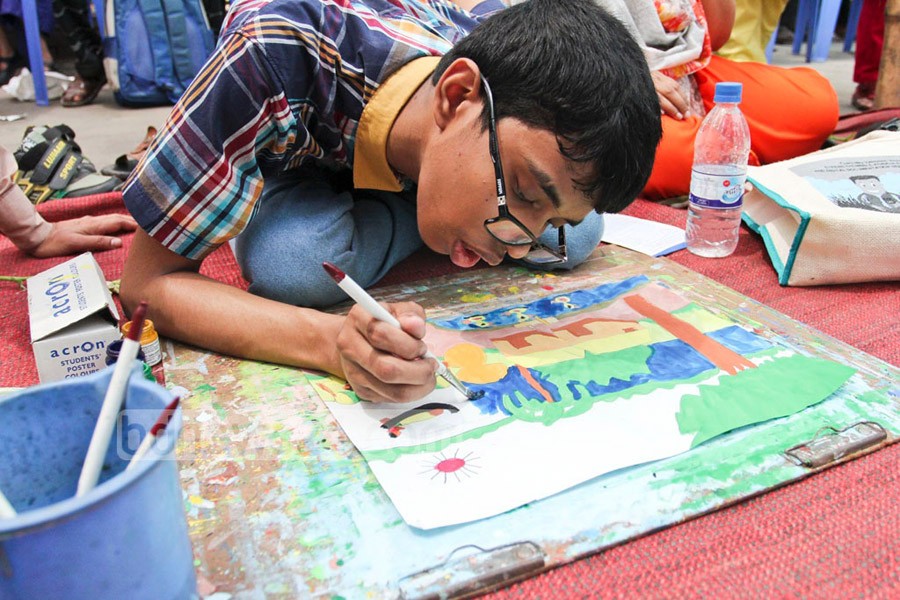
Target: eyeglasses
505, 228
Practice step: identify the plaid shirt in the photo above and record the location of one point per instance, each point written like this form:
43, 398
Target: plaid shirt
286, 85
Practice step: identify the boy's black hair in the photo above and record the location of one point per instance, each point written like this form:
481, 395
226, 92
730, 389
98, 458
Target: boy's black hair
569, 67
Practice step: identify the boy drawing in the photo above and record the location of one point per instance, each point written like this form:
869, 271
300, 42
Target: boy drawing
332, 130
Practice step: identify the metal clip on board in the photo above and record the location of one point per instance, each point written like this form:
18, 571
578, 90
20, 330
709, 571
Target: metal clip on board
830, 445
461, 576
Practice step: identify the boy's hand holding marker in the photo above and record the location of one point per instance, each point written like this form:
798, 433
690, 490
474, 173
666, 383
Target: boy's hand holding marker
398, 348
383, 363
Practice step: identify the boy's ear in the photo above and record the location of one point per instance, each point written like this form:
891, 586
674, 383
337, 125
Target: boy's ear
459, 84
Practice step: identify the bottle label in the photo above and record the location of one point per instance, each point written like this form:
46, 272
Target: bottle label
152, 351
717, 191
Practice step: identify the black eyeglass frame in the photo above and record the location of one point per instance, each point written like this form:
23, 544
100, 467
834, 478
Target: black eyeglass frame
503, 213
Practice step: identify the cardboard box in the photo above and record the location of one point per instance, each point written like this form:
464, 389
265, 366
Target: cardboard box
73, 318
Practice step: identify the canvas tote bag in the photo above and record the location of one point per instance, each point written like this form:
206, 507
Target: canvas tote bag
832, 216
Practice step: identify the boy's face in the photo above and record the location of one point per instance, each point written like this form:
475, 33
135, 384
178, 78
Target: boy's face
457, 188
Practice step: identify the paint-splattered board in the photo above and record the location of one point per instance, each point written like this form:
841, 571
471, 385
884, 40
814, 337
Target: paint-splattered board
280, 504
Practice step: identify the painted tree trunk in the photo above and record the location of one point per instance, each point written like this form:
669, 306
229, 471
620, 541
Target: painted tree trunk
722, 357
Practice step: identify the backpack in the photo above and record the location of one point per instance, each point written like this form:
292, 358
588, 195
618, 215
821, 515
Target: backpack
154, 48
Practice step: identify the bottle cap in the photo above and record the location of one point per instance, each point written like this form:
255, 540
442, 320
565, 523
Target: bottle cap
728, 91
115, 347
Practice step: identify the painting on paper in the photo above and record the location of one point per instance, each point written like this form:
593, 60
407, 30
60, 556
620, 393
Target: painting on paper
574, 385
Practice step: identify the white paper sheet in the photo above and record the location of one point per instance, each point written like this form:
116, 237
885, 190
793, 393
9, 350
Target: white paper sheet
641, 235
575, 385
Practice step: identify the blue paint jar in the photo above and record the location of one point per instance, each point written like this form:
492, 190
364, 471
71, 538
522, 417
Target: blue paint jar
127, 537
112, 355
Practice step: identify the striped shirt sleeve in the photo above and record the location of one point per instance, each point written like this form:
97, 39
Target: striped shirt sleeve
200, 181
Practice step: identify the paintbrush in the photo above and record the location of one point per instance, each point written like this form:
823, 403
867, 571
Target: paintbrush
6, 509
158, 427
112, 403
362, 297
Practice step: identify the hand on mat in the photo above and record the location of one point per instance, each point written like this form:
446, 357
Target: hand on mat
671, 101
382, 363
86, 233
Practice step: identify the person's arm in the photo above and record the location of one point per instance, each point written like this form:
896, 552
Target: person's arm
379, 361
20, 221
720, 19
90, 233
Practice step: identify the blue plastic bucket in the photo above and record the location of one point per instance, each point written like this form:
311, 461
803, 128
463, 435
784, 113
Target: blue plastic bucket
126, 538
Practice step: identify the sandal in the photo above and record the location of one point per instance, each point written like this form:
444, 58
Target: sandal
126, 163
864, 97
51, 165
82, 91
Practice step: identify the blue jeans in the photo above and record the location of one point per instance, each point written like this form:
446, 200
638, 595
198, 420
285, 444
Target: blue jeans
304, 219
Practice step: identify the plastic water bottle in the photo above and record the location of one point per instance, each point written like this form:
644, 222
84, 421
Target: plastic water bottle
721, 150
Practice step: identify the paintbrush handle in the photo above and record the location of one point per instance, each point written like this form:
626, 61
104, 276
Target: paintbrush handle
6, 509
142, 451
106, 421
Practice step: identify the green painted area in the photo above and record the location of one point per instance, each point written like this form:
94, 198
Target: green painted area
204, 387
283, 435
319, 572
392, 454
873, 397
601, 368
219, 410
775, 388
309, 541
701, 318
262, 380
622, 364
736, 466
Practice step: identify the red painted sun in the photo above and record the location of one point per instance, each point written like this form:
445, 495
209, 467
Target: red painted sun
451, 466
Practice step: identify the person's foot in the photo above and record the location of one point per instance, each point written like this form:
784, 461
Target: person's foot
82, 91
784, 36
864, 97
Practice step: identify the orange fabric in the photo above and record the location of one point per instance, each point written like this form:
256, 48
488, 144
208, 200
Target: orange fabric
790, 112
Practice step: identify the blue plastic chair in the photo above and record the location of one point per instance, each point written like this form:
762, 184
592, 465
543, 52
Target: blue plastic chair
35, 57
816, 20
852, 24
770, 47
100, 16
